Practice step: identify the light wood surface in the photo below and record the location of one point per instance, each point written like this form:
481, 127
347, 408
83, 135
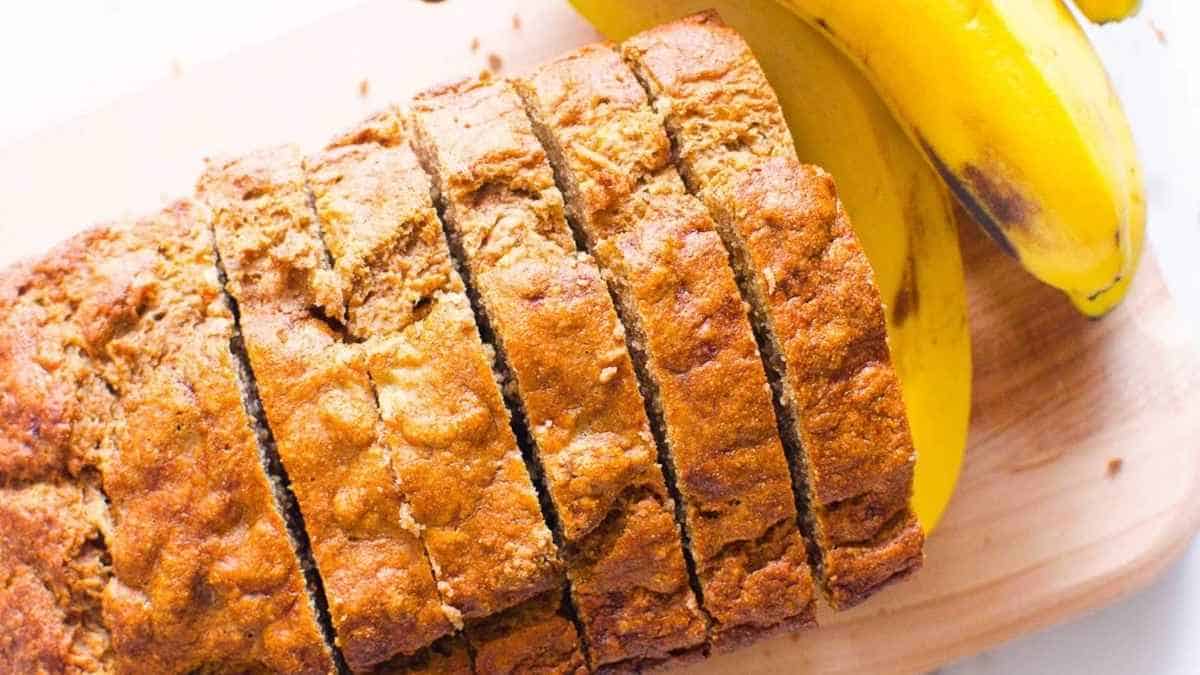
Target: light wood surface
1040, 529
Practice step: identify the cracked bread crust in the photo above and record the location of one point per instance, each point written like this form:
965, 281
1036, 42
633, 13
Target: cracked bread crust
667, 265
202, 571
54, 435
52, 576
564, 346
812, 289
56, 409
320, 405
452, 447
35, 405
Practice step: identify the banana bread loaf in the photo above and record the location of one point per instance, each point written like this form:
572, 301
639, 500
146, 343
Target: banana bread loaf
261, 431
678, 298
812, 292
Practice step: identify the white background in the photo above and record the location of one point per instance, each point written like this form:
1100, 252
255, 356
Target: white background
59, 60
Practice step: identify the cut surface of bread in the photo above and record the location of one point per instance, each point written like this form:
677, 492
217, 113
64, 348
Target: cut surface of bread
188, 569
814, 299
320, 406
570, 376
453, 450
679, 299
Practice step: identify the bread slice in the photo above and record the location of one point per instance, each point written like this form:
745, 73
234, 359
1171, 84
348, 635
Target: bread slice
454, 452
814, 298
202, 572
570, 376
691, 338
320, 405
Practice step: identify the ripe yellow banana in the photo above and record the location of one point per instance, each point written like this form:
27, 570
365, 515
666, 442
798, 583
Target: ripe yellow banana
899, 207
1104, 11
1012, 107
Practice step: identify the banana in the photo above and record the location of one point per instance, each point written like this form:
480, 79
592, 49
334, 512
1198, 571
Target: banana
901, 213
1012, 107
1104, 11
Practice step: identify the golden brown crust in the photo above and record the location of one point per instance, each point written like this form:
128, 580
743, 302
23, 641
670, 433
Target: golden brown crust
209, 550
714, 98
57, 411
812, 288
454, 453
532, 639
666, 262
203, 573
35, 431
52, 575
320, 405
564, 346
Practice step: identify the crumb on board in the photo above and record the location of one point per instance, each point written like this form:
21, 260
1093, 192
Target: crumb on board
1114, 466
364, 88
1159, 33
516, 22
474, 45
494, 62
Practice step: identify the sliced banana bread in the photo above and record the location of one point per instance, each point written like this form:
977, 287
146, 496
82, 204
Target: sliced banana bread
813, 295
570, 375
678, 297
320, 405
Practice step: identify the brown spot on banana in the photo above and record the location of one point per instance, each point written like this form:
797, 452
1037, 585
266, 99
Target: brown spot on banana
1001, 199
908, 296
966, 198
907, 300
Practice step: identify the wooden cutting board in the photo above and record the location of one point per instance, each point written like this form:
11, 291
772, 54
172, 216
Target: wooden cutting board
1082, 480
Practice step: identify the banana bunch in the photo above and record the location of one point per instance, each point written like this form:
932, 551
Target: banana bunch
1007, 102
900, 210
1010, 104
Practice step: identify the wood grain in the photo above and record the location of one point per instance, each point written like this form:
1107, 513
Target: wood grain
1040, 529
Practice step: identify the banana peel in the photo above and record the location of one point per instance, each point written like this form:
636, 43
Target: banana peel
1012, 107
900, 210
